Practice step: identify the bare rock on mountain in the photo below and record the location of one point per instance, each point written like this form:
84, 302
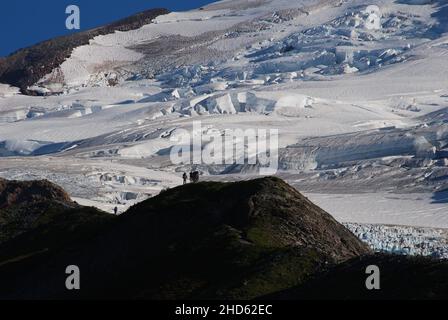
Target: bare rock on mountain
25, 67
30, 192
25, 205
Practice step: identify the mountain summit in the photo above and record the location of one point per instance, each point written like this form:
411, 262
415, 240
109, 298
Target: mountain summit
244, 240
206, 240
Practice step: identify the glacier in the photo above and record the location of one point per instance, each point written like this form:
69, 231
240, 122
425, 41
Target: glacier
362, 113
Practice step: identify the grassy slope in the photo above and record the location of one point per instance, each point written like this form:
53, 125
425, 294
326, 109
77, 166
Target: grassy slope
208, 240
244, 240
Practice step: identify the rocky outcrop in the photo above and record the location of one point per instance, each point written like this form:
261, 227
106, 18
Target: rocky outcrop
14, 193
25, 67
207, 240
244, 240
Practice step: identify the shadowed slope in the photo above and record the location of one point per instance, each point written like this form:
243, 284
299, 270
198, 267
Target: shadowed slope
401, 278
206, 240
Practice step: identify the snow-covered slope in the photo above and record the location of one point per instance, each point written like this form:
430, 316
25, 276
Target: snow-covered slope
361, 107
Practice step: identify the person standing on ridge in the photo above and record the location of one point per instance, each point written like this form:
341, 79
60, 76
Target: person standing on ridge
194, 176
184, 176
115, 210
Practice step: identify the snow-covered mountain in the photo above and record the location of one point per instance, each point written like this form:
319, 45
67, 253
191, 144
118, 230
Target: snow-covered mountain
27, 66
357, 89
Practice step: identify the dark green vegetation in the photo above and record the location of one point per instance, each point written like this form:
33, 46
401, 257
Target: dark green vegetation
209, 240
26, 66
404, 278
206, 240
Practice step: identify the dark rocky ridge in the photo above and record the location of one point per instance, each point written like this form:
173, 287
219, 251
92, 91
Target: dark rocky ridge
25, 67
208, 240
14, 193
243, 240
26, 206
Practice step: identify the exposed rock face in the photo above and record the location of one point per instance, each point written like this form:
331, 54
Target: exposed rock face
24, 205
27, 66
30, 192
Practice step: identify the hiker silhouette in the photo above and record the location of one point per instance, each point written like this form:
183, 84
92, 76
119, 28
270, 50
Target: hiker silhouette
194, 176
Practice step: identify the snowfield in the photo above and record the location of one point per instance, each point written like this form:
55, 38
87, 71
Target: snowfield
410, 209
362, 112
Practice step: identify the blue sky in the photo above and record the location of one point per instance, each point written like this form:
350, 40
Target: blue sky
26, 22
